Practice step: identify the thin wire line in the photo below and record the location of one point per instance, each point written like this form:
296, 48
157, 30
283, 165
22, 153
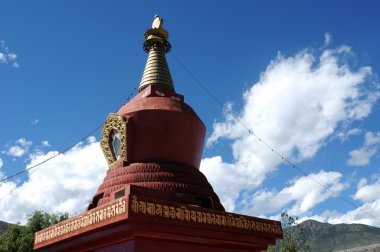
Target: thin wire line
251, 132
45, 161
50, 158
93, 112
63, 151
36, 166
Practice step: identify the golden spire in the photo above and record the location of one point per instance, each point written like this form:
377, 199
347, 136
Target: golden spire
156, 70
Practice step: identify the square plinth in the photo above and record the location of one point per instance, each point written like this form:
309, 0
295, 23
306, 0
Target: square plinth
139, 222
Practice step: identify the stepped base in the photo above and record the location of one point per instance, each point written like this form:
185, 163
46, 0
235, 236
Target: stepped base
137, 221
169, 181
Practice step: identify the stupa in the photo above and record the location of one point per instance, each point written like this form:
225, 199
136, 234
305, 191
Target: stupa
154, 198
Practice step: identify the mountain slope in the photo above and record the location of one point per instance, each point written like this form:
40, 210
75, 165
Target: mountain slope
3, 226
326, 237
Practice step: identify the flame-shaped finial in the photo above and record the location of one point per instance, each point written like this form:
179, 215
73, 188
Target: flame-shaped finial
157, 22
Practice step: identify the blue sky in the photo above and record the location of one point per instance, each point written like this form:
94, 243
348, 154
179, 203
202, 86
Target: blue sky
302, 75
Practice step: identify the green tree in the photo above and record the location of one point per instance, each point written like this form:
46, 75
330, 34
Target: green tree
294, 236
290, 241
20, 238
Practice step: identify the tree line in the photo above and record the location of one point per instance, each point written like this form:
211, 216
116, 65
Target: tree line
19, 238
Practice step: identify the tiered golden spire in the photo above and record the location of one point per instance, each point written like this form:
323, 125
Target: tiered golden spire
156, 70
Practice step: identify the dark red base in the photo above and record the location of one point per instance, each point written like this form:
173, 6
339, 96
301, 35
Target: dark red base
149, 224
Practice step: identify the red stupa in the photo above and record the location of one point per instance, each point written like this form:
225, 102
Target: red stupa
154, 198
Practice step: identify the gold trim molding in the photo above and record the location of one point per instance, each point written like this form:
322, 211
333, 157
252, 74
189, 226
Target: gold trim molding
198, 216
114, 122
82, 221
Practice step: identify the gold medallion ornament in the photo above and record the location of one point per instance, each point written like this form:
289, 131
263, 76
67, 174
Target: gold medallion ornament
114, 139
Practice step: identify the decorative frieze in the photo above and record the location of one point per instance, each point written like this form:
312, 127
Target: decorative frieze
105, 215
185, 214
80, 222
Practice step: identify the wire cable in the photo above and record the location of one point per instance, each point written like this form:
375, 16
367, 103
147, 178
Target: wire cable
62, 151
36, 166
50, 158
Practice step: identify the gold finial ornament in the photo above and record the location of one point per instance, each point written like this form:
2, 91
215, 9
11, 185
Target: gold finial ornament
156, 33
157, 22
156, 70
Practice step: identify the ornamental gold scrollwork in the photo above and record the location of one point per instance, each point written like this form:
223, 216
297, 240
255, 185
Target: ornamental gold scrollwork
114, 122
81, 221
182, 213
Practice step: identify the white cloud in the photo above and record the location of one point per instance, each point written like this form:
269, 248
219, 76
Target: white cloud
328, 38
224, 178
1, 165
345, 135
45, 143
65, 183
3, 58
360, 215
23, 142
12, 56
20, 148
16, 151
354, 132
372, 139
298, 104
368, 213
303, 193
362, 182
363, 155
35, 121
6, 56
368, 193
